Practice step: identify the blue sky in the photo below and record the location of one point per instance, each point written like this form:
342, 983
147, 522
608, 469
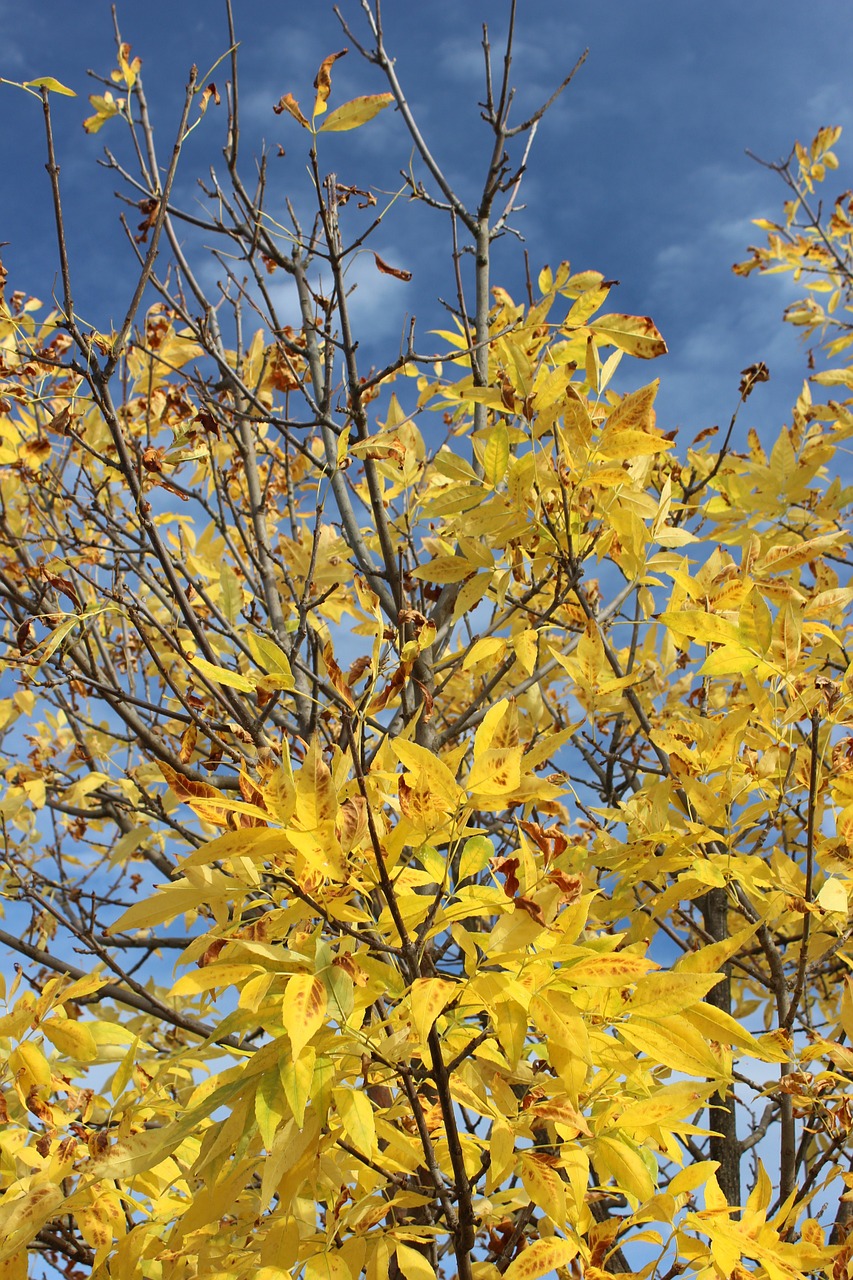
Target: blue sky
639, 170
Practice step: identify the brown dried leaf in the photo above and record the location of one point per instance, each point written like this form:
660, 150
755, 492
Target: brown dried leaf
397, 272
323, 81
289, 104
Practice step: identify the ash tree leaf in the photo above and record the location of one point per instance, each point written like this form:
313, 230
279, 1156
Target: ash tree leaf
303, 1009
353, 114
429, 997
323, 81
52, 86
541, 1257
636, 335
413, 1264
289, 104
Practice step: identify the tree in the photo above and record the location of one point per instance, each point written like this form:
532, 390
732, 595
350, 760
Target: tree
479, 762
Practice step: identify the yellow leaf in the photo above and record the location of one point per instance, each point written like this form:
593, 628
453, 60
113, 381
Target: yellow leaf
430, 770
128, 71
74, 1039
832, 895
499, 727
270, 1107
444, 569
223, 675
627, 444
541, 1257
257, 843
296, 1080
136, 1153
637, 335
15, 1267
428, 997
213, 976
526, 649
316, 800
703, 627
356, 1114
625, 1165
665, 1107
303, 1009
614, 970
784, 558
669, 536
124, 1074
476, 854
99, 1222
471, 593
23, 1217
171, 901
29, 1065
52, 86
330, 1265
559, 1111
502, 1152
729, 660
778, 1043
544, 1186
351, 115
413, 1264
663, 993
711, 958
716, 1024
674, 1042
490, 649
695, 1175
559, 1022
590, 654
496, 454
829, 601
268, 655
495, 772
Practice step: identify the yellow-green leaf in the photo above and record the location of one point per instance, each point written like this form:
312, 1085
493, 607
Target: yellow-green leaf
476, 852
355, 113
296, 1080
52, 86
223, 675
268, 655
356, 1112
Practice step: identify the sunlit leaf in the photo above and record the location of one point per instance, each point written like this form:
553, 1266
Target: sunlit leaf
353, 114
52, 86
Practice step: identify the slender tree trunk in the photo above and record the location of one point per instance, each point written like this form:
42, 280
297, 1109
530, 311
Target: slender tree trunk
722, 1114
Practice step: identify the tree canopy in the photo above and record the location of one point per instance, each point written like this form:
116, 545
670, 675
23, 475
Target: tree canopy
428, 788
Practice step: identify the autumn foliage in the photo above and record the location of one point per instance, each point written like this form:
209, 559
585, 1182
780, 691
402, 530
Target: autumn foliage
428, 790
